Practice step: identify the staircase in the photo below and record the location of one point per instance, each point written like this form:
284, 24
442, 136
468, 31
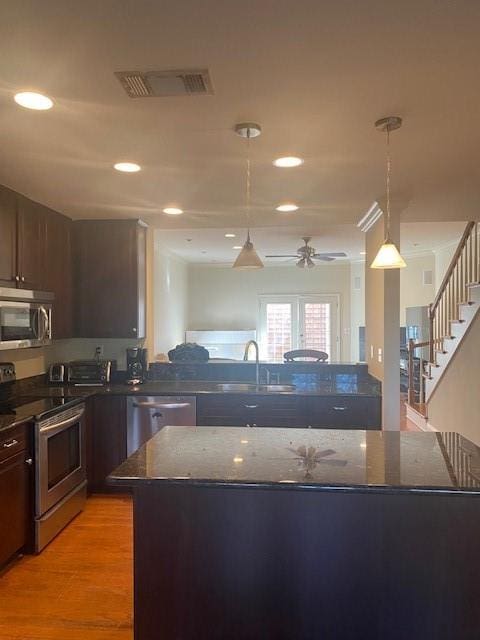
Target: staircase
450, 316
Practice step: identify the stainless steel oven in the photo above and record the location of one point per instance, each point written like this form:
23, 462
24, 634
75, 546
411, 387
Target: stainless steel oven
60, 471
25, 318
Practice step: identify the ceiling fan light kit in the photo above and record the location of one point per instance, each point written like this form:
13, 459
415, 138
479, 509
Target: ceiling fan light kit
307, 255
248, 258
388, 256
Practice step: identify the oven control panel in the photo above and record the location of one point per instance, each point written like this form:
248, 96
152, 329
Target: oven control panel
7, 372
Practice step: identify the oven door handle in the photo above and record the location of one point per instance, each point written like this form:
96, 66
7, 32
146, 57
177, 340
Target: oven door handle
58, 426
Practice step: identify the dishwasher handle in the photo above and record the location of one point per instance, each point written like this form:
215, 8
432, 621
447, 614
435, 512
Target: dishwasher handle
163, 405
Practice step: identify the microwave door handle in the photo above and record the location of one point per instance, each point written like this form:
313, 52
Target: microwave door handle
45, 325
36, 324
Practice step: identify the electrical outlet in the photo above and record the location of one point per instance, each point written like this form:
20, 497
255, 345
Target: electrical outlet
380, 354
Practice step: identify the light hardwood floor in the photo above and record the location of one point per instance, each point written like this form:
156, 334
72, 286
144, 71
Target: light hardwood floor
80, 587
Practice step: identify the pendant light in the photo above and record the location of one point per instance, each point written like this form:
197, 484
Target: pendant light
248, 257
388, 256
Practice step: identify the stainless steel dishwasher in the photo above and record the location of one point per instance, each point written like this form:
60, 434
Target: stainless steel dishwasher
146, 415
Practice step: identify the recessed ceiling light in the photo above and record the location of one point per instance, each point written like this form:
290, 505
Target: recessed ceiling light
288, 161
237, 247
230, 235
172, 211
127, 167
286, 208
32, 100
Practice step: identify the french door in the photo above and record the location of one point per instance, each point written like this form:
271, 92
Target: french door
298, 322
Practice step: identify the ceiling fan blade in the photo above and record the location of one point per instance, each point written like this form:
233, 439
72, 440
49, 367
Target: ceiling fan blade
279, 256
324, 258
330, 255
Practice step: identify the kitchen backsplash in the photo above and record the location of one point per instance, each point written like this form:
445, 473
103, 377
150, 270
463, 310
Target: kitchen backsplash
33, 362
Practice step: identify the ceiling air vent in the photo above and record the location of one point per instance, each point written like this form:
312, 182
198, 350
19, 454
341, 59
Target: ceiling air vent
158, 84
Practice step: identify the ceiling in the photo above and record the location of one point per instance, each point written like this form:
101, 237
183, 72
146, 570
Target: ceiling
315, 75
209, 246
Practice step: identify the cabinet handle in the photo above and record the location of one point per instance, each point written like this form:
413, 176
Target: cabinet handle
339, 408
134, 329
22, 278
29, 461
17, 278
12, 443
251, 406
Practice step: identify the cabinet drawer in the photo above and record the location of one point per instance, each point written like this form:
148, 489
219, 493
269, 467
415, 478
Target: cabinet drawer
343, 412
240, 410
13, 441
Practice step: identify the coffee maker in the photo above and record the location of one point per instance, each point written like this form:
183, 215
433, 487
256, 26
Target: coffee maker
137, 365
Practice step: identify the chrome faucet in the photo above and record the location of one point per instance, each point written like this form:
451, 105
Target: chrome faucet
257, 363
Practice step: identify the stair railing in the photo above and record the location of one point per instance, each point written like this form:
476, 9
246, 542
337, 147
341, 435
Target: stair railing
417, 365
464, 269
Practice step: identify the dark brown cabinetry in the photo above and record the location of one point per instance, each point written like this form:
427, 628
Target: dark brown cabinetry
335, 412
15, 491
31, 244
35, 253
59, 272
8, 238
106, 437
341, 412
238, 410
110, 278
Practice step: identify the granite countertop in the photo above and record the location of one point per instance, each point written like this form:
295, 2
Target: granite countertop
194, 387
324, 459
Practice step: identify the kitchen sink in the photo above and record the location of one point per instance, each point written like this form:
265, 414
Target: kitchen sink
242, 387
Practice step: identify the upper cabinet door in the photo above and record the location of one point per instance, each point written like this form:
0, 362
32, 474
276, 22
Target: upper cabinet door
109, 262
31, 244
8, 238
59, 278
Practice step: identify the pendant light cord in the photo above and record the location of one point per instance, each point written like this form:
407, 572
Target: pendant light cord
248, 186
389, 167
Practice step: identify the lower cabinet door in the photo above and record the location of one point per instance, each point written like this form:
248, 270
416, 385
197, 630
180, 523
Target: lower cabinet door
15, 505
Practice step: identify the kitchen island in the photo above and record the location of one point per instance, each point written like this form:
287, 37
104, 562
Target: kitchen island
296, 534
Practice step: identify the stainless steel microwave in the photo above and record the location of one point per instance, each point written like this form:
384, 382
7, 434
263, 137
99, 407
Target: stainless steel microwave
25, 318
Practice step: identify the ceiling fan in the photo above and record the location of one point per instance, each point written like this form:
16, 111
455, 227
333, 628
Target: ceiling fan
307, 254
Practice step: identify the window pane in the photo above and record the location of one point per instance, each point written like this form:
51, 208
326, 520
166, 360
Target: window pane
317, 326
278, 330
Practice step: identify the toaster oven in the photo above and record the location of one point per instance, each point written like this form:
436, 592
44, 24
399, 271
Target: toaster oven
89, 372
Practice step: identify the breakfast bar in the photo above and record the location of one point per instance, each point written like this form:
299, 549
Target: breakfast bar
302, 534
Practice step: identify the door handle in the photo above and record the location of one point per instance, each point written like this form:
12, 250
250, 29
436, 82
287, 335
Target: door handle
12, 443
157, 414
339, 408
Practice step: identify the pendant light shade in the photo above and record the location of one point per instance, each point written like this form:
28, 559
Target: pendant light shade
248, 257
388, 257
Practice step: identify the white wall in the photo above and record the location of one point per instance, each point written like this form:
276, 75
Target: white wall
170, 299
226, 298
454, 405
413, 293
443, 257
